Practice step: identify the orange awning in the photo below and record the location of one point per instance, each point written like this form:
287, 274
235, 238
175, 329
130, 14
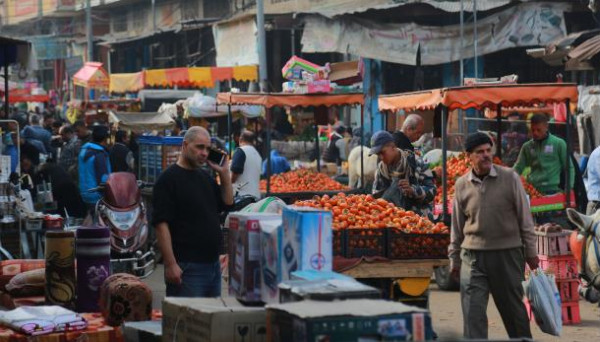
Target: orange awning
482, 96
92, 75
270, 100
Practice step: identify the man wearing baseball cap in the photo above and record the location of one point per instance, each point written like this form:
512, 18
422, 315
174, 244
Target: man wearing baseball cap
492, 238
397, 166
94, 166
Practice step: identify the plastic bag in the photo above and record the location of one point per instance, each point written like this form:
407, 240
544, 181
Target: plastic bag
545, 302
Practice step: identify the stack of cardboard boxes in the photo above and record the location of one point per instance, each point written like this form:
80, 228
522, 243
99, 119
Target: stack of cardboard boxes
286, 261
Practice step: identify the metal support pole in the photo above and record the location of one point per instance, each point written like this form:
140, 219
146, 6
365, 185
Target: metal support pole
568, 159
499, 132
89, 31
268, 129
153, 16
262, 45
229, 124
317, 147
362, 144
444, 166
293, 34
462, 42
6, 106
475, 36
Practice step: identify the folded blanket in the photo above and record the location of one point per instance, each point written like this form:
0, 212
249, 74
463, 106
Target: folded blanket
38, 320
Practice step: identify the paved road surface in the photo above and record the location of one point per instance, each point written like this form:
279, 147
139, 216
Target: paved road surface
447, 316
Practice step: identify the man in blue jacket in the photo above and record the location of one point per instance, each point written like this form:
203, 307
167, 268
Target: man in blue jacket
94, 166
278, 164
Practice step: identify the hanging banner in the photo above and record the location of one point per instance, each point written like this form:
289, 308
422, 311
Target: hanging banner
235, 43
529, 24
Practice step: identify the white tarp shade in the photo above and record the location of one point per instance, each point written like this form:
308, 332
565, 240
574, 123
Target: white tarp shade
236, 43
202, 106
529, 24
141, 122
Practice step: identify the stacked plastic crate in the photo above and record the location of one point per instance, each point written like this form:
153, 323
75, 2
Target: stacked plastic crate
556, 258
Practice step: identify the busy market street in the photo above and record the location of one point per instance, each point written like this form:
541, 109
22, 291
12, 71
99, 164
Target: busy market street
295, 171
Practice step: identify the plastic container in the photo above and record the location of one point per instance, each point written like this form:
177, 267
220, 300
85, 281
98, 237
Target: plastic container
563, 267
365, 242
339, 242
553, 244
151, 148
416, 246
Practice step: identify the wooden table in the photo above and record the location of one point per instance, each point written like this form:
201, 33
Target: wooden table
416, 268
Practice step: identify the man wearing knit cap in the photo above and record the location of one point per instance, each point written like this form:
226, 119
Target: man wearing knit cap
492, 239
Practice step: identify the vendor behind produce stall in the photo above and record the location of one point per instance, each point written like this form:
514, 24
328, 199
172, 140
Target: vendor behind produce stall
411, 131
545, 155
279, 164
398, 178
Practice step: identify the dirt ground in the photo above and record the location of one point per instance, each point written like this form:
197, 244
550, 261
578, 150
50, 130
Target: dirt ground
447, 316
447, 320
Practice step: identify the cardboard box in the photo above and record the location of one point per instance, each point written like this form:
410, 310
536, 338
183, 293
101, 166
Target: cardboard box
306, 240
244, 254
345, 73
347, 320
271, 271
325, 290
145, 331
212, 320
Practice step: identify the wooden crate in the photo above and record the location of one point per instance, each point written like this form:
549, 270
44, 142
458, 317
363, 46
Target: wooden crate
553, 244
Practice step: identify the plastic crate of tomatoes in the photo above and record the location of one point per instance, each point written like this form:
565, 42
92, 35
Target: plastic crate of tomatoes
339, 242
365, 242
402, 245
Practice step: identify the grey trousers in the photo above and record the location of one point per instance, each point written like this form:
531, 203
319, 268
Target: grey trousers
499, 273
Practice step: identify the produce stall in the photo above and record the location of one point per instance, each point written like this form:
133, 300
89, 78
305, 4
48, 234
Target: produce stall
494, 97
270, 100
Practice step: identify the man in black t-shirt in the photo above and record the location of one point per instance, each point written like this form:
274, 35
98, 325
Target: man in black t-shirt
187, 202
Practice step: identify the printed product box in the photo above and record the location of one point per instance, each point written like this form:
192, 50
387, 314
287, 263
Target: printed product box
306, 240
325, 289
244, 254
212, 320
348, 320
271, 271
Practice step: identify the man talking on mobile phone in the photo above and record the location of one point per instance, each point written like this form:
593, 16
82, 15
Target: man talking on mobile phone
187, 202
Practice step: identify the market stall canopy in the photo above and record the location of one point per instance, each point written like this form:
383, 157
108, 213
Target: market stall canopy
197, 77
24, 95
479, 97
92, 76
141, 122
203, 106
270, 100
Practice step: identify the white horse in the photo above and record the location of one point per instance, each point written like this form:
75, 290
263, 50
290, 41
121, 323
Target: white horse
588, 231
369, 167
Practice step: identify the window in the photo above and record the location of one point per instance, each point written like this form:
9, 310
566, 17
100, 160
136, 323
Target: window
119, 22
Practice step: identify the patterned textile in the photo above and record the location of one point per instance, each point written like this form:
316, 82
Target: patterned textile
60, 268
10, 268
40, 320
97, 331
93, 266
124, 298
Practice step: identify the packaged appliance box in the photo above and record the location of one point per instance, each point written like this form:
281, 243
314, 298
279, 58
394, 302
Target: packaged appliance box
244, 254
306, 240
271, 253
347, 320
144, 331
325, 290
212, 320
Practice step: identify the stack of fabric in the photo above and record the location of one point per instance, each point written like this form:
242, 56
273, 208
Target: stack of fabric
38, 320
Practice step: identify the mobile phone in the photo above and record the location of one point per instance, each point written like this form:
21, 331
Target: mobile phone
216, 156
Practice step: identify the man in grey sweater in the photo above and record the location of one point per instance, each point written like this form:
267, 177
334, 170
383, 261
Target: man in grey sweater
492, 239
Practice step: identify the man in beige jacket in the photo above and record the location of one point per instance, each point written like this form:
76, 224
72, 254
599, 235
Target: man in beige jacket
492, 239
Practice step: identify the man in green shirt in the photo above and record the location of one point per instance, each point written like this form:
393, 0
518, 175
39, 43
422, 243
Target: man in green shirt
546, 155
